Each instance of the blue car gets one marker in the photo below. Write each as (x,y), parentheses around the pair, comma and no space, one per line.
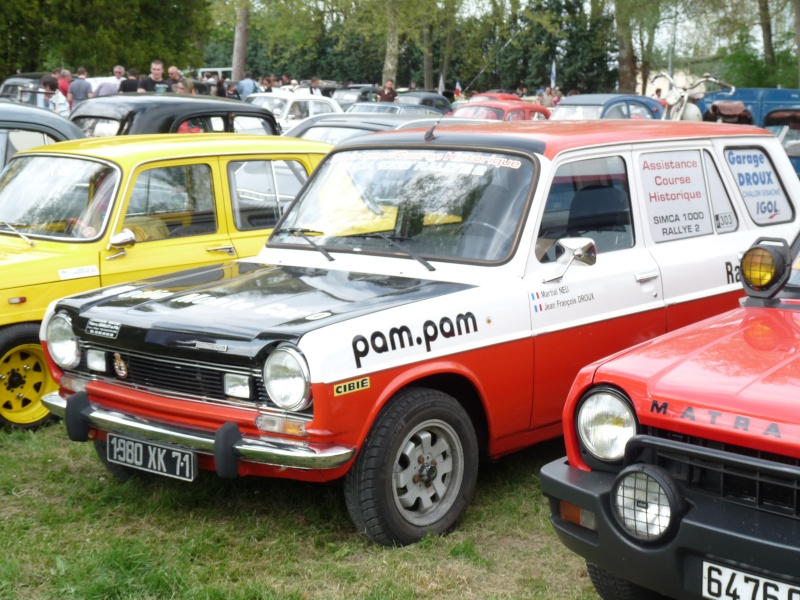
(606,106)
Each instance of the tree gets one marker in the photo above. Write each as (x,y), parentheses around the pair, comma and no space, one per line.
(239,60)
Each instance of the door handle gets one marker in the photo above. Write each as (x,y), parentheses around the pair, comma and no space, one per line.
(229,250)
(643,276)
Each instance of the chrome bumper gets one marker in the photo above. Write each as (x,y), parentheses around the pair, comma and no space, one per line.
(225,445)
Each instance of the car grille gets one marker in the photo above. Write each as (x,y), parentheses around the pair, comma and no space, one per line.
(174,377)
(760,480)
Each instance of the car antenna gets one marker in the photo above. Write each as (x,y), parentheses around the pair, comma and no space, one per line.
(429,134)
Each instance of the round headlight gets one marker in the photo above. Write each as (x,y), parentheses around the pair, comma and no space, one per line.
(672,96)
(286,379)
(646,502)
(62,343)
(605,423)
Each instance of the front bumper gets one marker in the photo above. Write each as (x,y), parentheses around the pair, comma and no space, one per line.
(711,529)
(226,444)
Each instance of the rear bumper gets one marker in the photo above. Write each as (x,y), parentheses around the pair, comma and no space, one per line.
(227,444)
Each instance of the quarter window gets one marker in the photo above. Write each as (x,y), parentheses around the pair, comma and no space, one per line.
(590,199)
(262,189)
(725,219)
(761,189)
(171,202)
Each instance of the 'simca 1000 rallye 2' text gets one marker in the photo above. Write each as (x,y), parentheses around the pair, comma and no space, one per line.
(427,299)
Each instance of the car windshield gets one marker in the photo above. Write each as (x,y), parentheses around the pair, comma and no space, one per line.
(275,104)
(56,197)
(442,204)
(98,126)
(479,112)
(575,112)
(331,135)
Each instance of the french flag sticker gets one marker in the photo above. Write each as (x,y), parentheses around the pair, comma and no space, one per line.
(537,307)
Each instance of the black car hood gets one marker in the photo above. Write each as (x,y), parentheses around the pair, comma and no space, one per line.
(245,300)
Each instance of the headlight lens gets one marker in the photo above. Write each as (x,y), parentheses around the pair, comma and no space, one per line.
(646,502)
(605,423)
(62,343)
(286,379)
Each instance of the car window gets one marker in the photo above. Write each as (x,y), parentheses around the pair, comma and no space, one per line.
(320,108)
(515,115)
(639,111)
(298,110)
(97,126)
(14,140)
(331,135)
(762,190)
(262,189)
(618,111)
(725,219)
(588,198)
(252,124)
(677,199)
(564,112)
(168,202)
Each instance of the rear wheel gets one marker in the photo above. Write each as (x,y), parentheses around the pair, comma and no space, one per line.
(24,377)
(611,587)
(417,470)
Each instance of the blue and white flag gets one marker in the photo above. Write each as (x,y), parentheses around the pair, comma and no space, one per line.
(553,75)
(441,85)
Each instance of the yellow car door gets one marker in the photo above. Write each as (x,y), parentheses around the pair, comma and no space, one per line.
(259,190)
(172,218)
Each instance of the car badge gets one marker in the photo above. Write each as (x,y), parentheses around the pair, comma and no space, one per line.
(120,368)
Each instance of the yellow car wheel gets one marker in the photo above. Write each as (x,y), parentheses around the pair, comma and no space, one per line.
(24,378)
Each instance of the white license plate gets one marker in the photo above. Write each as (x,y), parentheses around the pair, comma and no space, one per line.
(153,458)
(730,584)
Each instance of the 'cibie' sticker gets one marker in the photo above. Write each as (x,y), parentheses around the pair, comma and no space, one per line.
(103,328)
(348,387)
(78,272)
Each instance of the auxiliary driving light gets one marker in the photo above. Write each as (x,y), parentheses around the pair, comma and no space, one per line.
(766,267)
(646,502)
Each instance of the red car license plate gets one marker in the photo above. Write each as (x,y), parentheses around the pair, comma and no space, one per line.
(153,458)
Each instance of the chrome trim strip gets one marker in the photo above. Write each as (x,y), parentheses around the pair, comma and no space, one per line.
(274,451)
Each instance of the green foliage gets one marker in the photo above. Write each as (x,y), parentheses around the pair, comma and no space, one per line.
(743,66)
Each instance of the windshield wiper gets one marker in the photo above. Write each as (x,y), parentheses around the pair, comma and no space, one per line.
(19,233)
(303,233)
(393,242)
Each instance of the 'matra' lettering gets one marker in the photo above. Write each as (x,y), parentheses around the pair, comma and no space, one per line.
(739,423)
(401,337)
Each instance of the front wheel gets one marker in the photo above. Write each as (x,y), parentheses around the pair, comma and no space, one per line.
(416,471)
(24,377)
(611,587)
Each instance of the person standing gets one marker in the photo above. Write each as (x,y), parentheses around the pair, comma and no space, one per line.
(111,87)
(131,84)
(246,86)
(155,81)
(53,98)
(388,93)
(313,87)
(64,81)
(80,90)
(174,79)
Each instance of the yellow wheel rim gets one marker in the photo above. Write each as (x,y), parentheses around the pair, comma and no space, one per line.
(24,379)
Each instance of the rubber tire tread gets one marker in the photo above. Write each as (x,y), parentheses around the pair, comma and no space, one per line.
(611,587)
(10,337)
(362,482)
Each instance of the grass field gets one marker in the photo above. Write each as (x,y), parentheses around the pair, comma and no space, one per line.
(69,530)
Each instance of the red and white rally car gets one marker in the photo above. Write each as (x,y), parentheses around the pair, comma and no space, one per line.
(428,298)
(682,476)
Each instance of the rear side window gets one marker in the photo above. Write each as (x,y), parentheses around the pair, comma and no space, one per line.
(762,191)
(588,198)
(262,189)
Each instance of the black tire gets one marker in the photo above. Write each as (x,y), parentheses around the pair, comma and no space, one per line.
(120,472)
(416,472)
(611,587)
(24,378)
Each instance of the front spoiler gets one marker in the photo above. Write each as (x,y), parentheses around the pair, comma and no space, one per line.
(226,445)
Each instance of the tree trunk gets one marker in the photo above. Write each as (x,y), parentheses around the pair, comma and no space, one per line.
(766,32)
(444,65)
(240,40)
(627,56)
(427,61)
(392,41)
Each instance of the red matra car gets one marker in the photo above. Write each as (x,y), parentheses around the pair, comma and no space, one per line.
(682,476)
(503,110)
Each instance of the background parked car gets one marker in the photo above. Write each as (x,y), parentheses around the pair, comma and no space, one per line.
(432,99)
(15,87)
(356,92)
(394,108)
(128,114)
(98,212)
(23,127)
(503,110)
(607,106)
(290,108)
(334,128)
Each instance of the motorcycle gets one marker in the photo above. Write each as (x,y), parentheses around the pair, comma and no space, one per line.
(680,107)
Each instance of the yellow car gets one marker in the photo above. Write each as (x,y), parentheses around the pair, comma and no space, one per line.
(83,214)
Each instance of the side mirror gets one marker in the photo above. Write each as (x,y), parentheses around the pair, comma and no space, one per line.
(123,239)
(582,250)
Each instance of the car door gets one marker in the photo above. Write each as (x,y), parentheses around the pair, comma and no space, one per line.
(696,230)
(258,191)
(175,211)
(581,312)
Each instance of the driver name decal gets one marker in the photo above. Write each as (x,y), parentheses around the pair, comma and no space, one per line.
(398,338)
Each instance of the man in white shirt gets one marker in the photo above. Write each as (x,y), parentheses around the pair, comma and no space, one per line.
(314,87)
(53,98)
